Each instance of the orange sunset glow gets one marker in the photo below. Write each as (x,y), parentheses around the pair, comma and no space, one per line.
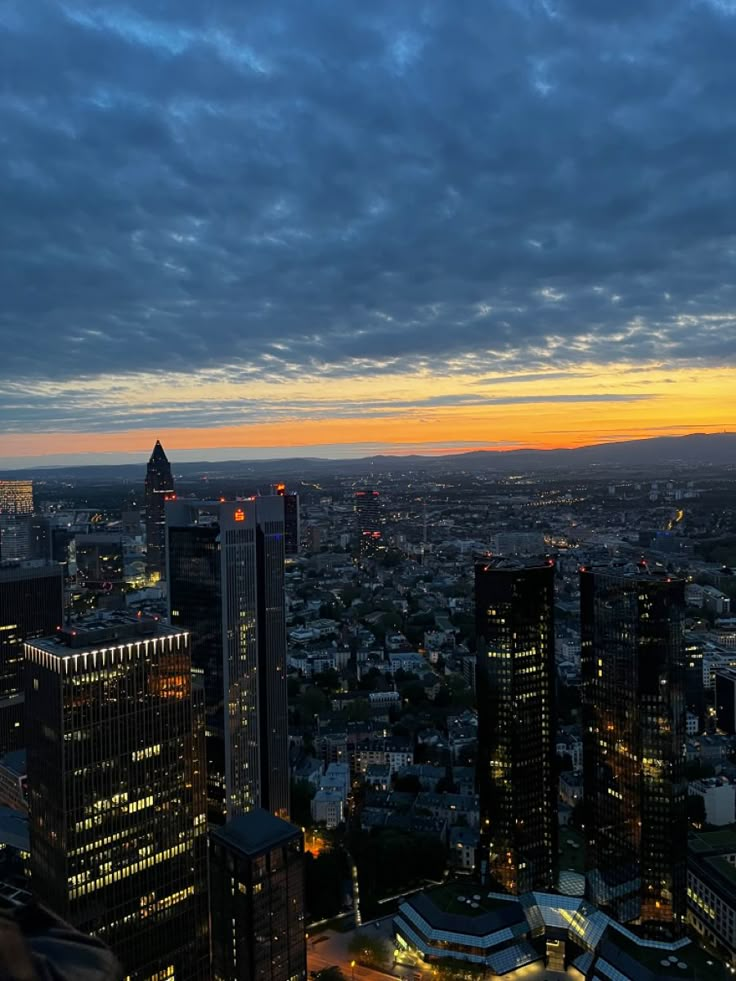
(404,413)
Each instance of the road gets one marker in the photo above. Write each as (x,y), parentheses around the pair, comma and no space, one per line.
(327,948)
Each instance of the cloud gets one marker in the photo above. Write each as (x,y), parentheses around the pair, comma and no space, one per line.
(333,190)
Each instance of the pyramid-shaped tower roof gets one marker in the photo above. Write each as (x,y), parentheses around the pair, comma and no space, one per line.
(158,455)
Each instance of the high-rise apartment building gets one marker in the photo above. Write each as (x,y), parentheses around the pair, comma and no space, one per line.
(226,584)
(158,488)
(31,605)
(257,900)
(367,507)
(116,791)
(515,685)
(16,516)
(292,527)
(633,692)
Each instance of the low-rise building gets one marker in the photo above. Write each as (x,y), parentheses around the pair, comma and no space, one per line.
(463,843)
(711,890)
(719,797)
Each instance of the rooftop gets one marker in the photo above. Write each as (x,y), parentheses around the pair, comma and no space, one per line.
(689,962)
(107,629)
(465,907)
(490,562)
(255,832)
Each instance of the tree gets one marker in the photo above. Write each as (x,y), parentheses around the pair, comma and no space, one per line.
(696,810)
(368,950)
(302,793)
(409,784)
(323,878)
(413,693)
(328,974)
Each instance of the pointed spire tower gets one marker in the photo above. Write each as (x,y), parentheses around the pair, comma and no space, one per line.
(159,487)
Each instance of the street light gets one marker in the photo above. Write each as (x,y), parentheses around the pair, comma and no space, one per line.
(352,970)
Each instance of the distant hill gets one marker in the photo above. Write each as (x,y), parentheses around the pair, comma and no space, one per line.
(696,449)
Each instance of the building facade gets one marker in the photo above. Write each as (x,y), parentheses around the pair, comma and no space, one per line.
(100,562)
(292,525)
(515,683)
(226,584)
(634,719)
(16,517)
(116,791)
(367,507)
(31,605)
(257,900)
(158,488)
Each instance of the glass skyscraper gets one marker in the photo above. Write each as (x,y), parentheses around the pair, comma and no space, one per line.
(226,584)
(633,674)
(158,488)
(367,507)
(31,605)
(116,791)
(515,685)
(16,516)
(256,866)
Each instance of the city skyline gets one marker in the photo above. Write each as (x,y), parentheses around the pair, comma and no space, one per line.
(501,226)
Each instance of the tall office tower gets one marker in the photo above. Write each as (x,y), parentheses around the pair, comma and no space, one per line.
(16,515)
(100,562)
(515,687)
(226,584)
(257,900)
(292,529)
(31,605)
(694,682)
(725,688)
(116,791)
(159,488)
(367,507)
(633,692)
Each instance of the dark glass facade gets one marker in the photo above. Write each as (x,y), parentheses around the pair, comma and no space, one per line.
(515,684)
(226,584)
(725,691)
(118,827)
(257,900)
(158,488)
(367,506)
(100,563)
(694,687)
(292,530)
(31,605)
(633,693)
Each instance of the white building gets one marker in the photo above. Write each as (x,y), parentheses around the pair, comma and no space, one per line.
(328,808)
(719,797)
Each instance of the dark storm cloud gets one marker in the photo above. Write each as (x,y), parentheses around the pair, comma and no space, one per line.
(329,187)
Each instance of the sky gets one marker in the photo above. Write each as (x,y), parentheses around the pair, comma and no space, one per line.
(339,228)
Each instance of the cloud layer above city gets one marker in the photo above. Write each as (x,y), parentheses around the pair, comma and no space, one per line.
(303,224)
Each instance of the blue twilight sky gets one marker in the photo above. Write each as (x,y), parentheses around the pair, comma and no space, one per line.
(222,215)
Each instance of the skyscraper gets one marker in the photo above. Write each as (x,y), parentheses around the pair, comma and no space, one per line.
(257,900)
(159,487)
(118,831)
(515,684)
(633,674)
(16,515)
(31,605)
(226,584)
(292,529)
(100,562)
(367,507)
